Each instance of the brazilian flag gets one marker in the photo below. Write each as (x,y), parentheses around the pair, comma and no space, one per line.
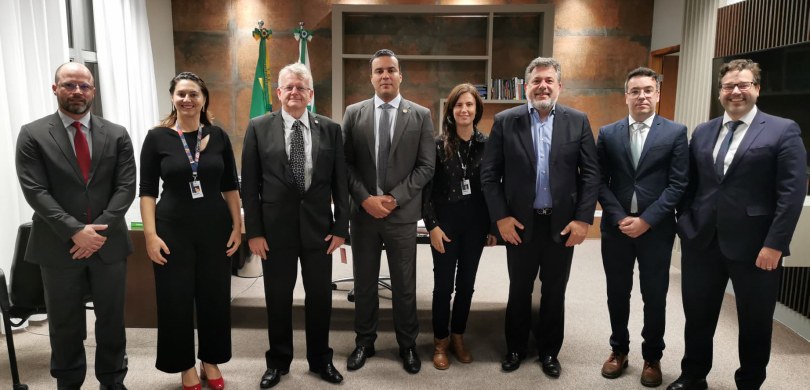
(262,99)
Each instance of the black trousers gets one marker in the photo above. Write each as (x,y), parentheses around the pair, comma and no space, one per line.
(466,224)
(65,289)
(280,274)
(653,250)
(197,275)
(705,274)
(368,237)
(553,260)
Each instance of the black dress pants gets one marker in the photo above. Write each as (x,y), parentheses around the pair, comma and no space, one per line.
(466,224)
(197,275)
(553,260)
(653,250)
(705,274)
(280,273)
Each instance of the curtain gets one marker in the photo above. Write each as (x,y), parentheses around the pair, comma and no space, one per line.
(34,42)
(126,71)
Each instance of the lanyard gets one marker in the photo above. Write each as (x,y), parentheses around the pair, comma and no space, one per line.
(462,160)
(193,161)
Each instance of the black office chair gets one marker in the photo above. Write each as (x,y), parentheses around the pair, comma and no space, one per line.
(27,297)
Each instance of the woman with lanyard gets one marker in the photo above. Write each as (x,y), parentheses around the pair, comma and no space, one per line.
(454,212)
(191,233)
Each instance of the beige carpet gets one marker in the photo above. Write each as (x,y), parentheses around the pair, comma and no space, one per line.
(585,348)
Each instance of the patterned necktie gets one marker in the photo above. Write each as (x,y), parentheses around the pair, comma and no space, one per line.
(720,161)
(82,150)
(297,156)
(384,137)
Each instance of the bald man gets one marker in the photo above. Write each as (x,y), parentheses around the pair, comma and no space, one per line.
(77,171)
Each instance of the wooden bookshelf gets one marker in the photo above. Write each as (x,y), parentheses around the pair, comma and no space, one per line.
(439,46)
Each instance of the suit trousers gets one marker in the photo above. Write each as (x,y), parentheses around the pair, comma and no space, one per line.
(280,274)
(466,224)
(553,260)
(65,290)
(653,250)
(196,276)
(368,237)
(705,274)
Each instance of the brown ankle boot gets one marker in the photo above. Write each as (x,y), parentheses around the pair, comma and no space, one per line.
(440,360)
(457,345)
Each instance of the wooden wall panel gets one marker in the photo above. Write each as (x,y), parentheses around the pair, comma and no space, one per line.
(761,24)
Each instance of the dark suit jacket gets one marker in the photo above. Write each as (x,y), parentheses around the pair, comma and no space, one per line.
(273,206)
(53,185)
(410,163)
(659,181)
(508,170)
(759,199)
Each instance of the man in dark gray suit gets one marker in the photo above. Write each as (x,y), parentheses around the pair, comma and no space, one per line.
(644,161)
(390,153)
(540,179)
(77,171)
(293,169)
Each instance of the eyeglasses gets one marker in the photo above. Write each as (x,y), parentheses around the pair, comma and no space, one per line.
(635,93)
(743,86)
(291,88)
(72,87)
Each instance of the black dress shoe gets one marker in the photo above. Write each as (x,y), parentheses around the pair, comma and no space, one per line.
(329,373)
(410,360)
(551,366)
(511,361)
(685,383)
(271,377)
(358,357)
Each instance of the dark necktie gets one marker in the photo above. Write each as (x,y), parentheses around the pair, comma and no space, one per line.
(384,137)
(297,156)
(82,151)
(719,162)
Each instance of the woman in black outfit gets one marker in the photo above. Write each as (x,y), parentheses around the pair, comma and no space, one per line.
(455,214)
(191,233)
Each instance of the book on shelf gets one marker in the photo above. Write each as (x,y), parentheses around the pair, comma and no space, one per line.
(508,89)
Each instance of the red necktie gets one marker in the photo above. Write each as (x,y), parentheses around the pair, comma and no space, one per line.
(82,150)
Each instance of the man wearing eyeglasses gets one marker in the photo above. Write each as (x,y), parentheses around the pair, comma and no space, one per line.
(745,193)
(644,161)
(293,168)
(77,171)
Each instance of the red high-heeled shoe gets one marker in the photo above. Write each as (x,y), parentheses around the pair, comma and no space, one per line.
(214,384)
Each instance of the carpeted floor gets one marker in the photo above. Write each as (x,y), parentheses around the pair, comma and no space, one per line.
(585,348)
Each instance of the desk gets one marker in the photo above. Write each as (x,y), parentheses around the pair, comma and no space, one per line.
(140,310)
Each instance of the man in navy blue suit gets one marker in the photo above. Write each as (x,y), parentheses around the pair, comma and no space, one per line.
(746,189)
(644,162)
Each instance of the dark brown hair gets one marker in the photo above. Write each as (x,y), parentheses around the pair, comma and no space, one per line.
(740,65)
(205,115)
(449,134)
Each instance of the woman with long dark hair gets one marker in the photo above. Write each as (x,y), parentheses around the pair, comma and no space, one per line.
(455,214)
(191,233)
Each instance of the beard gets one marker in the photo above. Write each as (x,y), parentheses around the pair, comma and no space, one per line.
(543,105)
(75,106)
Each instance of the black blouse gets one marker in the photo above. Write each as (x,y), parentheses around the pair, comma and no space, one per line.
(445,187)
(163,157)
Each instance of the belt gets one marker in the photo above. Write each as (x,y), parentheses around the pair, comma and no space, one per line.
(543,211)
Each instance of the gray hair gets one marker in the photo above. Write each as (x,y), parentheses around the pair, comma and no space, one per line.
(297,69)
(543,62)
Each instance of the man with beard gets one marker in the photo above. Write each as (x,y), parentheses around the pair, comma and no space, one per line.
(77,171)
(540,178)
(746,188)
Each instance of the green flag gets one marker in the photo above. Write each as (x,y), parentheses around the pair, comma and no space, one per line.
(304,36)
(262,100)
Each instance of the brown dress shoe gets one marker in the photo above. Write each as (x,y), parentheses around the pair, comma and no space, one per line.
(614,366)
(440,360)
(458,348)
(651,375)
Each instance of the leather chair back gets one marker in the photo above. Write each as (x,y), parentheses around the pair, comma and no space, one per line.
(26,278)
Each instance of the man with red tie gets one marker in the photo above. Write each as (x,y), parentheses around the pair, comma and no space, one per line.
(77,171)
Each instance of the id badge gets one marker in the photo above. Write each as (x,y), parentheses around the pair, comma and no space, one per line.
(465,187)
(196,189)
